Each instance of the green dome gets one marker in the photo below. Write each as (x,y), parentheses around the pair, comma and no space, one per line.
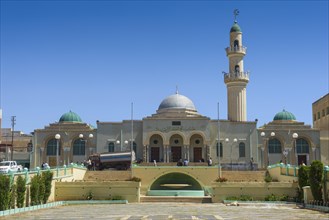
(235,28)
(284,116)
(70,117)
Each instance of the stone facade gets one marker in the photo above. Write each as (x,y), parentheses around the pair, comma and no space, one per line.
(320,109)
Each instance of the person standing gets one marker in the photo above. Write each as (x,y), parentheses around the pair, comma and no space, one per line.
(209,161)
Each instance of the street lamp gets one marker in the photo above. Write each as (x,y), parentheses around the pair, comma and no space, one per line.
(226,141)
(234,141)
(268,149)
(285,153)
(262,134)
(91,136)
(313,150)
(295,136)
(57,137)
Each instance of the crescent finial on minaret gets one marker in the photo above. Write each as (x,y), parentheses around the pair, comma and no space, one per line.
(236,13)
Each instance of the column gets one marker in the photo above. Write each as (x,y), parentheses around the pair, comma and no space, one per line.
(147,153)
(168,153)
(188,152)
(164,153)
(66,155)
(144,153)
(41,158)
(266,152)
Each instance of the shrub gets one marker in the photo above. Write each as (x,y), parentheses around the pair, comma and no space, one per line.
(41,193)
(316,178)
(47,178)
(12,196)
(4,192)
(20,191)
(303,180)
(89,195)
(221,179)
(240,198)
(245,198)
(273,197)
(268,177)
(34,190)
(232,198)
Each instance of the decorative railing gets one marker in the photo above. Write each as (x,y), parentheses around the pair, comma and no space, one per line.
(238,49)
(236,76)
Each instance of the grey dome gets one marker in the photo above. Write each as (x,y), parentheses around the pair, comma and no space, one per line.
(177,101)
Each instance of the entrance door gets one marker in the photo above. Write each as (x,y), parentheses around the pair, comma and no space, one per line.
(52,161)
(302,159)
(197,153)
(155,154)
(176,153)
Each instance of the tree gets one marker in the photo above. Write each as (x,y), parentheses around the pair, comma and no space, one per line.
(316,178)
(34,189)
(4,192)
(303,179)
(47,178)
(20,191)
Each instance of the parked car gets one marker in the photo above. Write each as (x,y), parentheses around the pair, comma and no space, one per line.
(9,166)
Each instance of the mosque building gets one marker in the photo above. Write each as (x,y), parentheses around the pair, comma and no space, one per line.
(178,131)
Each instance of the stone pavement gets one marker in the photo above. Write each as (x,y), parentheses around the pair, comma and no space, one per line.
(172,211)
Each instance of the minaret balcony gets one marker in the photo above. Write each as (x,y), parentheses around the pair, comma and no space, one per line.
(235,50)
(236,76)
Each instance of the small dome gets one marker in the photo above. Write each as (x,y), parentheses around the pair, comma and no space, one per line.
(235,28)
(284,116)
(70,117)
(177,101)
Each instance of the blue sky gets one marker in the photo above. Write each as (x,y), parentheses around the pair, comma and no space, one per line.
(96,57)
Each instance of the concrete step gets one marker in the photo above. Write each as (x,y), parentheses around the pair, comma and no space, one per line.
(188,199)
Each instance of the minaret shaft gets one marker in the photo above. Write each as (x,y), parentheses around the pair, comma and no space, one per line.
(236,79)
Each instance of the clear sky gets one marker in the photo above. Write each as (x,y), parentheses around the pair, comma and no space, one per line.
(96,57)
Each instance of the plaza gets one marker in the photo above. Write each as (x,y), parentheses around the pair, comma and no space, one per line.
(173,211)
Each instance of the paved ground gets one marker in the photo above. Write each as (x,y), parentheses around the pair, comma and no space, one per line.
(171,211)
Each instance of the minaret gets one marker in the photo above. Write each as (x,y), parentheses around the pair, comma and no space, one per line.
(236,79)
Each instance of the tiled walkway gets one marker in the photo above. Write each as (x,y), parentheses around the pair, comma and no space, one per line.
(171,211)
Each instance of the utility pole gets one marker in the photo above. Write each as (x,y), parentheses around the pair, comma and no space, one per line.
(13,120)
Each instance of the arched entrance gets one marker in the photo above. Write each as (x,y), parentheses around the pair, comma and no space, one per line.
(156,148)
(175,184)
(196,143)
(176,143)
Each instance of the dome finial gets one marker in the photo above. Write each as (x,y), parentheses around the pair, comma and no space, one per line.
(236,13)
(176,89)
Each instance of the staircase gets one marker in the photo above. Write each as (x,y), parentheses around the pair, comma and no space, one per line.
(244,176)
(187,199)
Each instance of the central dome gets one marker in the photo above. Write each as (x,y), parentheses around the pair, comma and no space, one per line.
(177,101)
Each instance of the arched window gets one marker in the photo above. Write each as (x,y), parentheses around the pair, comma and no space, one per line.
(111,147)
(236,45)
(52,146)
(237,68)
(242,150)
(302,146)
(220,150)
(79,147)
(274,146)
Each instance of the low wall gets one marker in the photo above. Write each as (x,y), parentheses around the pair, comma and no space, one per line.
(258,191)
(127,190)
(283,173)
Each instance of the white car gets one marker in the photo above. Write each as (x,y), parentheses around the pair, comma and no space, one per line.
(10,166)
